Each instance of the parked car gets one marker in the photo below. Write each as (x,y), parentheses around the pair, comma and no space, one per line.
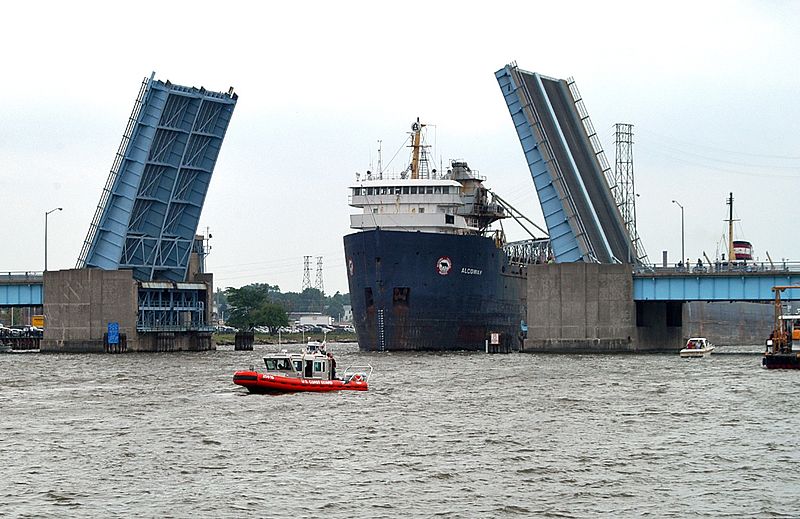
(221,328)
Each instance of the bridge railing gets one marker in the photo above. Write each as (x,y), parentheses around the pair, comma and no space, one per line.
(719,267)
(20,276)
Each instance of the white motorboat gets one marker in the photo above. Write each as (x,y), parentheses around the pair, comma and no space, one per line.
(697,347)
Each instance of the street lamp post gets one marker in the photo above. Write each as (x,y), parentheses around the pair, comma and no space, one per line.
(45,234)
(683,248)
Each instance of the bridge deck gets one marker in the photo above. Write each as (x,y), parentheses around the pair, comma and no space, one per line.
(20,289)
(745,284)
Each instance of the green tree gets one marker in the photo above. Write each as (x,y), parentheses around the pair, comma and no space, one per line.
(271,315)
(334,306)
(245,302)
(246,305)
(311,300)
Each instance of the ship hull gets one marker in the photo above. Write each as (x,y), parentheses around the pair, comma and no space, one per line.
(432,292)
(781,361)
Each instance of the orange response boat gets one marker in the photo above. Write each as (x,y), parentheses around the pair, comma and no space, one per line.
(312,370)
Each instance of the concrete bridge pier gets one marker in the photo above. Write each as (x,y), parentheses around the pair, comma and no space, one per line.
(79,304)
(589,308)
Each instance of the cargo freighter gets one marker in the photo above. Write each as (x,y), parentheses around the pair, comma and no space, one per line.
(425,269)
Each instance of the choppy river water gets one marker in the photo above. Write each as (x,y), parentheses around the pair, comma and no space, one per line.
(456,435)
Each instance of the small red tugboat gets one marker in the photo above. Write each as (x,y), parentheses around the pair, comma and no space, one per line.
(779,354)
(311,370)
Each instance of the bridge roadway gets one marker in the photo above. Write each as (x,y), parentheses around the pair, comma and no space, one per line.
(21,289)
(752,282)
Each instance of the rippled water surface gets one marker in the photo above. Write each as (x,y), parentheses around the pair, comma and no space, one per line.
(456,435)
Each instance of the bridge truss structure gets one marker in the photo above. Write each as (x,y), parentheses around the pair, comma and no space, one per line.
(150,206)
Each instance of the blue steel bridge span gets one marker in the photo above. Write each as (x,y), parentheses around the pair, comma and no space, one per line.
(20,289)
(710,283)
(569,169)
(149,209)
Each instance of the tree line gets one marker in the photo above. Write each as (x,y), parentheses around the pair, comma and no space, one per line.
(262,304)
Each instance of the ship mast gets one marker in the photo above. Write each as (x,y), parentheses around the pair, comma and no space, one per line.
(416,130)
(730,228)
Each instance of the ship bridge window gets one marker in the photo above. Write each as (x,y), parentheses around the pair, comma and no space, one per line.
(437,190)
(421,209)
(298,365)
(430,190)
(405,190)
(449,218)
(413,190)
(370,191)
(383,190)
(319,366)
(391,190)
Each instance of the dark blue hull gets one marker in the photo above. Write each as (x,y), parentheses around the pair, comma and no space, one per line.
(432,292)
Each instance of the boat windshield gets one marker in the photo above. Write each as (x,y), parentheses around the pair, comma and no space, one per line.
(278,364)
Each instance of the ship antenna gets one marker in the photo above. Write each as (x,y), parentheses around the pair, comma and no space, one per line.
(380,164)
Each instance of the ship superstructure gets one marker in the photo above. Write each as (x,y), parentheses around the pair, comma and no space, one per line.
(455,202)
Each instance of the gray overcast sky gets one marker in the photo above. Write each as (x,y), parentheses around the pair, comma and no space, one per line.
(711,87)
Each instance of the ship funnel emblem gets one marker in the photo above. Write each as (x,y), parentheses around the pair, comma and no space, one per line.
(443,265)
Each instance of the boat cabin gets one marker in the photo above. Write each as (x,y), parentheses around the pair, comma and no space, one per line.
(696,343)
(315,363)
